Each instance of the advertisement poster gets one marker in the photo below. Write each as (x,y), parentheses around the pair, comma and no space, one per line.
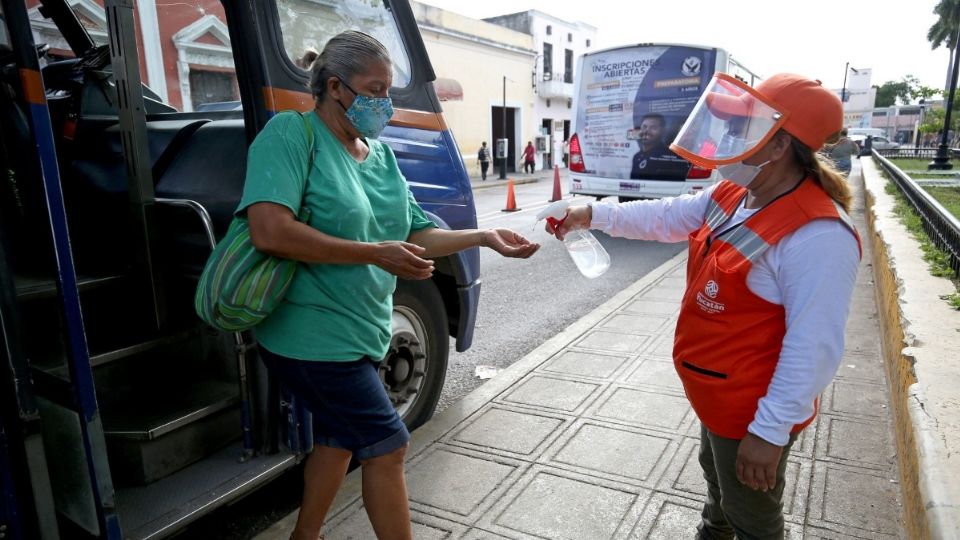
(631,104)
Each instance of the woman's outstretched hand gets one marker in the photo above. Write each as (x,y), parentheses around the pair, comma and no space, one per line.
(509,243)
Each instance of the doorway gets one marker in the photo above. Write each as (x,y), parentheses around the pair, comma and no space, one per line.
(547,129)
(496,117)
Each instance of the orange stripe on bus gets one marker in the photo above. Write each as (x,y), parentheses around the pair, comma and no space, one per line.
(32,86)
(278,99)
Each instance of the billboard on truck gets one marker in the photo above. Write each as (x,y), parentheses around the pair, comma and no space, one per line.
(630,103)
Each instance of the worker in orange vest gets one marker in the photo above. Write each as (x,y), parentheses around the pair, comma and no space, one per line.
(772,262)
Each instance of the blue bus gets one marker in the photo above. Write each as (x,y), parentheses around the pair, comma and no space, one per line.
(121,414)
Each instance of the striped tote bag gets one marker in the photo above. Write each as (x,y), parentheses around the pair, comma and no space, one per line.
(240,285)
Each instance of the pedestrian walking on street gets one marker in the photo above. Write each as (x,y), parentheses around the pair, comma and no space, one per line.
(326,339)
(483,157)
(772,263)
(841,152)
(529,158)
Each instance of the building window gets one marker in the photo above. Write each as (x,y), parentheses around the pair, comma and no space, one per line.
(569,38)
(588,43)
(567,66)
(212,87)
(549,30)
(547,61)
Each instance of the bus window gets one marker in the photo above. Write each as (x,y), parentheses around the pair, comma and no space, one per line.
(308,24)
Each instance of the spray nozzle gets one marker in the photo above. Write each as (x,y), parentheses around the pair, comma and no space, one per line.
(555,214)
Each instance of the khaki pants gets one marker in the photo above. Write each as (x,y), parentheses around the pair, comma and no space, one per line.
(733,510)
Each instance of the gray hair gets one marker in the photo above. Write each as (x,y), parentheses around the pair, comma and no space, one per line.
(345,55)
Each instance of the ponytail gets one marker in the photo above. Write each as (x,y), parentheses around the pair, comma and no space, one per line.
(824,173)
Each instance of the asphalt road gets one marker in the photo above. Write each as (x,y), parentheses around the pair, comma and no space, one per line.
(522,304)
(525,302)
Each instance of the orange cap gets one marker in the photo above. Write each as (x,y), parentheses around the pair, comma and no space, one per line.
(814,114)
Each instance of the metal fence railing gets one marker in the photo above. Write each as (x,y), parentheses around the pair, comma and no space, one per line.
(912,152)
(941,226)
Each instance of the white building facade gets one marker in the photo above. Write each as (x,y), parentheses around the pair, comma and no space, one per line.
(559,45)
(858,107)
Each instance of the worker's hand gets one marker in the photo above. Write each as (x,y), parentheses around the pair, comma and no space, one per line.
(578,217)
(509,243)
(402,259)
(757,462)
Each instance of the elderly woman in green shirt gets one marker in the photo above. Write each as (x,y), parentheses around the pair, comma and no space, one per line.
(364,230)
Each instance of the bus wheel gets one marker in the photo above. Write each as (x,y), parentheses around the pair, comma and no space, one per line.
(416,363)
(622,199)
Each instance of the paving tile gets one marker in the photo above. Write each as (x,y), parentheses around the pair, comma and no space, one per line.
(865,443)
(668,517)
(613,341)
(356,526)
(551,504)
(585,364)
(818,533)
(620,453)
(855,398)
(457,482)
(519,432)
(645,408)
(655,372)
(642,324)
(863,367)
(480,534)
(552,393)
(662,345)
(853,500)
(645,306)
(671,292)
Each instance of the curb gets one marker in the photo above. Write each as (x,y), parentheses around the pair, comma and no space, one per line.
(499,183)
(921,351)
(440,425)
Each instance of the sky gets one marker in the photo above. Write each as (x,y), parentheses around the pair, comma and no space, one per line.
(816,38)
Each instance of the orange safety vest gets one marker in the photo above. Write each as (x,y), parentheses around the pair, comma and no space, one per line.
(728,339)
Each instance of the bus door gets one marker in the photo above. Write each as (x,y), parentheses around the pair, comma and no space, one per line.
(69,466)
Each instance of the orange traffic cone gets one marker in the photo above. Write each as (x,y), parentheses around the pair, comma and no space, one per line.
(511,198)
(556,184)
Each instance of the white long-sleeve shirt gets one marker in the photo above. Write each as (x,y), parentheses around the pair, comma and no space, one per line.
(810,272)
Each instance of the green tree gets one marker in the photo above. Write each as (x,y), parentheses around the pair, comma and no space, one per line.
(905,90)
(944,31)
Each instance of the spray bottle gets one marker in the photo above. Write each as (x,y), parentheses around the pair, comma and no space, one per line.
(590,257)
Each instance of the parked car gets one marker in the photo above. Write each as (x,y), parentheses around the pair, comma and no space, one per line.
(879,142)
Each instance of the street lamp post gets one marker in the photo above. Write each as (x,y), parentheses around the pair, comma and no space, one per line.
(843,93)
(942,161)
(503,165)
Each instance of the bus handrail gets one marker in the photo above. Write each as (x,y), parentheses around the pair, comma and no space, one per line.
(198,209)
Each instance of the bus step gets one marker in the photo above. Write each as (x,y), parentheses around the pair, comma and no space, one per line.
(143,347)
(167,428)
(33,288)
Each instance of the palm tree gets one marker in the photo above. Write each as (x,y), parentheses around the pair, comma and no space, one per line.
(944,31)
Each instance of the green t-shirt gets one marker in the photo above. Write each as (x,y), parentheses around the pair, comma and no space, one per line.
(334,312)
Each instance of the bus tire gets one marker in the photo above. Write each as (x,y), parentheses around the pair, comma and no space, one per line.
(415,367)
(623,199)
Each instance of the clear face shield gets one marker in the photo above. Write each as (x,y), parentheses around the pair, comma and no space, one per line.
(729,123)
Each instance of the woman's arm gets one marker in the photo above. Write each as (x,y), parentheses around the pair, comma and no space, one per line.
(273,230)
(441,242)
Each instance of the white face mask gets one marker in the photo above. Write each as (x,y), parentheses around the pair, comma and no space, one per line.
(740,173)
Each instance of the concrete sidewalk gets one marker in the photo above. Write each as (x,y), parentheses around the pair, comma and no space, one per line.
(493,178)
(590,437)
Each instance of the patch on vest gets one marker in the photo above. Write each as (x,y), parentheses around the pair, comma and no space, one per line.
(706,302)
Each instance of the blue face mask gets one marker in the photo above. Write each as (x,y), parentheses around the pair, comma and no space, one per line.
(369,115)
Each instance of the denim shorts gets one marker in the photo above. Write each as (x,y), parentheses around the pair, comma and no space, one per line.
(350,407)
